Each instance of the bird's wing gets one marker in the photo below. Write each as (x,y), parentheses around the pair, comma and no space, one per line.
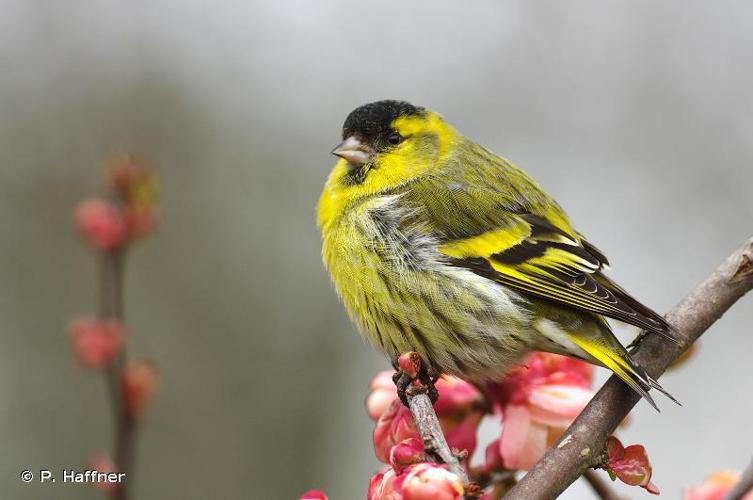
(537,258)
(521,238)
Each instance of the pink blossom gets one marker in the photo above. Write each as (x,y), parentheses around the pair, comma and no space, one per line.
(314,495)
(407,452)
(423,481)
(100,223)
(386,485)
(428,481)
(395,425)
(538,402)
(382,393)
(458,408)
(456,397)
(139,385)
(716,487)
(96,342)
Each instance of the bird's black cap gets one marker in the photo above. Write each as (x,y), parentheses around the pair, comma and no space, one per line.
(373,120)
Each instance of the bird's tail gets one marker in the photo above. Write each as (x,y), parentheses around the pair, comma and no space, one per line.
(607,351)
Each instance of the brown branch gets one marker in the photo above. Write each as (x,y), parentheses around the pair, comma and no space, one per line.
(111,306)
(431,432)
(743,486)
(600,486)
(581,445)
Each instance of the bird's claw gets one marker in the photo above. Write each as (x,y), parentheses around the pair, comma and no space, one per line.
(412,377)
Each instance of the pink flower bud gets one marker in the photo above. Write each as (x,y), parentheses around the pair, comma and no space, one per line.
(382,394)
(716,487)
(410,363)
(96,343)
(139,384)
(456,396)
(629,464)
(407,452)
(375,483)
(431,482)
(100,223)
(395,425)
(385,485)
(314,495)
(101,462)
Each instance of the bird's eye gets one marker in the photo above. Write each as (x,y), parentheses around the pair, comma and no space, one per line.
(395,139)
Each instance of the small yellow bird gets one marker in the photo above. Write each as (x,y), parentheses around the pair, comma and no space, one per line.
(439,246)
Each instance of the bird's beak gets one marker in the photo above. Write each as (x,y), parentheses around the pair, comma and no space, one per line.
(354,151)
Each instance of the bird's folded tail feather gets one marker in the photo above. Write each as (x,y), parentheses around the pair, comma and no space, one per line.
(613,356)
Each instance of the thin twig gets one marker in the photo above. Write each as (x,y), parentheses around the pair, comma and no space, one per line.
(111,306)
(600,486)
(580,446)
(431,433)
(110,300)
(743,486)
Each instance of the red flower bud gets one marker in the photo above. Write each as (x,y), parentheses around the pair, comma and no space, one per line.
(629,464)
(395,425)
(382,394)
(100,223)
(410,363)
(385,485)
(139,384)
(314,495)
(407,452)
(96,343)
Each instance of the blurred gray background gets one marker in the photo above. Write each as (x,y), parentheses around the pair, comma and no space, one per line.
(637,116)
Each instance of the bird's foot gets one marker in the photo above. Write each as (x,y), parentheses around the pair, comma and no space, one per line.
(412,377)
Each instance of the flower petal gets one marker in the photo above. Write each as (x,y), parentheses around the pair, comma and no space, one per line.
(523,440)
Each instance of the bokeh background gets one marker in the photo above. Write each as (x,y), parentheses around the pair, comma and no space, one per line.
(637,116)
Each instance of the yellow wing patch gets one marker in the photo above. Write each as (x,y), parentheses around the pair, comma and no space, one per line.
(487,244)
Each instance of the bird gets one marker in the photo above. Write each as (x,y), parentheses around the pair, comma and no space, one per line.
(438,246)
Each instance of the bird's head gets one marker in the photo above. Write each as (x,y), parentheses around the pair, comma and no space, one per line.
(388,143)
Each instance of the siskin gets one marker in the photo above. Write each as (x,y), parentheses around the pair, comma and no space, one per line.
(439,246)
